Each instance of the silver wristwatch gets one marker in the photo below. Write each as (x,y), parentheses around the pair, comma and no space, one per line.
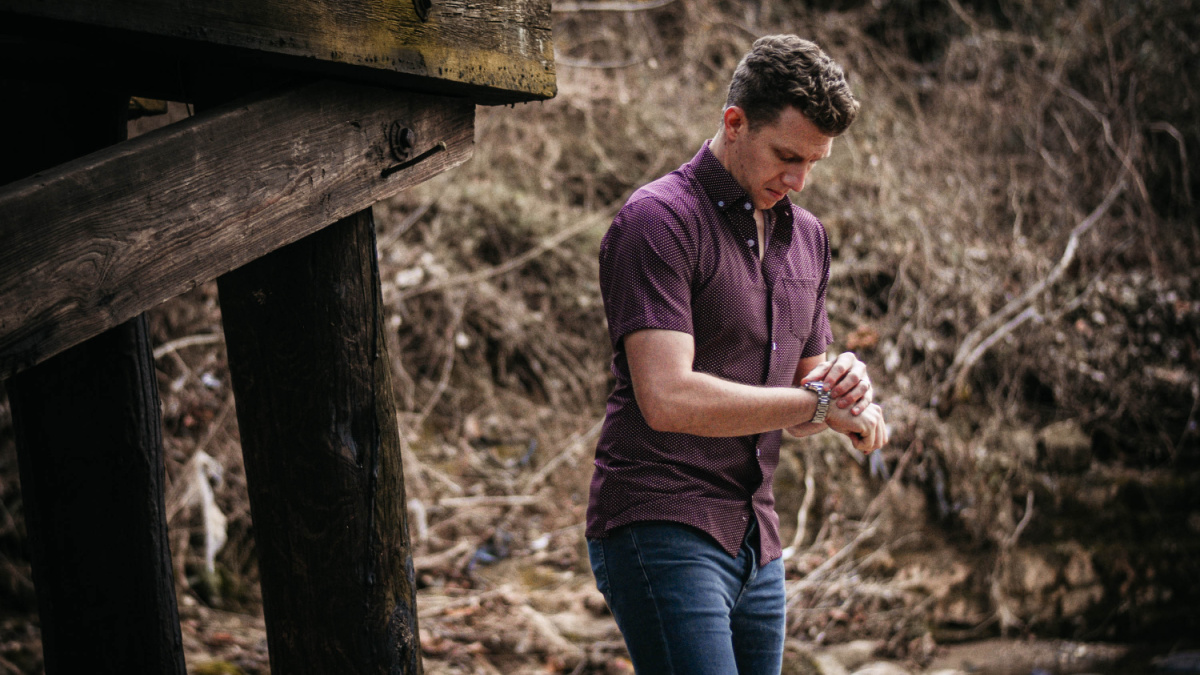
(822,400)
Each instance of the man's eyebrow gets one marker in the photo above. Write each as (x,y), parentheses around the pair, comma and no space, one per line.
(789,156)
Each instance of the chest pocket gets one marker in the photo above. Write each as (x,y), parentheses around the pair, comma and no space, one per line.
(796,301)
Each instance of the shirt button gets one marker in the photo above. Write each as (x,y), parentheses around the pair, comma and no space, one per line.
(750,243)
(758,452)
(721,204)
(774,346)
(747,206)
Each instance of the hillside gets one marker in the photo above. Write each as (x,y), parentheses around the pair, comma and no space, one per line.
(1014,239)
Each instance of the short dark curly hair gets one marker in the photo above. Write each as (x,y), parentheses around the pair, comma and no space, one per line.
(783,70)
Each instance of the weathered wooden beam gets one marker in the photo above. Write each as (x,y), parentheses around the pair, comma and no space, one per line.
(89,443)
(308,358)
(495,51)
(94,242)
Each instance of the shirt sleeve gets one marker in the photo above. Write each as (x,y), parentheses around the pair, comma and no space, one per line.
(647,261)
(821,335)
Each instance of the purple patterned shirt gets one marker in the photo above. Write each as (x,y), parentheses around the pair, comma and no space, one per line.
(682,255)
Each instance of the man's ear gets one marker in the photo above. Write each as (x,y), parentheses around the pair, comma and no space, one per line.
(735,122)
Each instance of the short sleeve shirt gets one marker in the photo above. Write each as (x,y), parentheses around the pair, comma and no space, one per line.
(682,255)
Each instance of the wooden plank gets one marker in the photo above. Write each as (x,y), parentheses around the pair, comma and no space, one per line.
(308,358)
(499,51)
(89,445)
(94,242)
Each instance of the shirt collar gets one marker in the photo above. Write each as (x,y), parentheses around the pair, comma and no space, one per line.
(723,189)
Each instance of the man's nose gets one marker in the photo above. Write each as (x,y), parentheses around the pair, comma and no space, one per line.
(794,180)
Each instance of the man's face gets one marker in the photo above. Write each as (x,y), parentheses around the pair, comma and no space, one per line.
(768,160)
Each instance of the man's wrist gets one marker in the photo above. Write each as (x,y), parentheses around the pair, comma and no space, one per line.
(823,400)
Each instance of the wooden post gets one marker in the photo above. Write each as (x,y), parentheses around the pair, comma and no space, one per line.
(89,441)
(304,329)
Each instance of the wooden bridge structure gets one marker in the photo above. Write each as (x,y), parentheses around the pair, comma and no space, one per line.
(307,112)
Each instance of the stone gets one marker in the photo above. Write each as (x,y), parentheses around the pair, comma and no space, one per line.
(855,653)
(881,668)
(1079,570)
(800,660)
(1032,573)
(1064,447)
(1077,601)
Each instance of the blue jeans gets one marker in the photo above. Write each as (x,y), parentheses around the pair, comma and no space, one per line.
(685,606)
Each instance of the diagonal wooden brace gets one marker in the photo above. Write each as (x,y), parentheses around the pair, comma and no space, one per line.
(94,242)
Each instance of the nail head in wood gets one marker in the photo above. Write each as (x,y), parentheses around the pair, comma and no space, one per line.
(401,139)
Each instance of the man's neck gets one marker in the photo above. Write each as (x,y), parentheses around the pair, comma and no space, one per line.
(760,222)
(717,147)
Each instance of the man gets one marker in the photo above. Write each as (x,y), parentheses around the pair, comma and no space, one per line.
(714,285)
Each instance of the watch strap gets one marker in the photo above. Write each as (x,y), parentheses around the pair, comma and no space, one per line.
(823,399)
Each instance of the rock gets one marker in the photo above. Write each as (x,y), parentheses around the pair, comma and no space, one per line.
(618,665)
(1079,569)
(1179,662)
(584,627)
(1025,656)
(881,668)
(1064,447)
(854,654)
(1077,601)
(799,659)
(828,665)
(1032,573)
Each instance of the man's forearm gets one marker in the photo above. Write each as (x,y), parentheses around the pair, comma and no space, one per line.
(705,405)
(807,429)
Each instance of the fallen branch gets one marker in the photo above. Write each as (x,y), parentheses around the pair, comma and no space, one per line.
(443,558)
(576,443)
(490,500)
(409,220)
(814,578)
(419,517)
(544,627)
(1012,538)
(612,64)
(189,341)
(1001,332)
(447,366)
(508,265)
(608,6)
(810,493)
(974,345)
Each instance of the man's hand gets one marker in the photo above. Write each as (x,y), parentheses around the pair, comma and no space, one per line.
(867,430)
(846,379)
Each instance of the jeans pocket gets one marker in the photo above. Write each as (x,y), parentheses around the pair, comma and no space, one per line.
(599,569)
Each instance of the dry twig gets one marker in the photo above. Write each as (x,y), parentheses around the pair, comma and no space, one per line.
(513,263)
(974,345)
(608,6)
(574,445)
(188,341)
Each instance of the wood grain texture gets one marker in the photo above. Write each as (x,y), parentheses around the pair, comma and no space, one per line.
(500,50)
(308,358)
(94,242)
(89,443)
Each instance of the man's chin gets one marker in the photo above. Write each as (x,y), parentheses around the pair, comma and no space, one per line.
(769,199)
